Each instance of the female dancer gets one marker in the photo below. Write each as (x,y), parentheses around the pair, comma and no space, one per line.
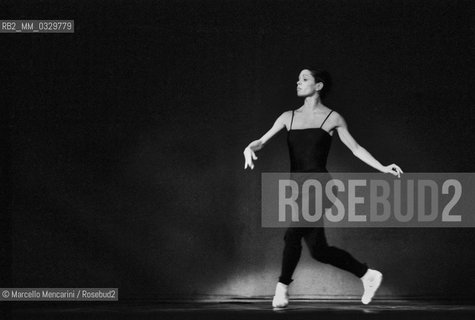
(310,129)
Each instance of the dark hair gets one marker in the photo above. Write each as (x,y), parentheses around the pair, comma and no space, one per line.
(324,77)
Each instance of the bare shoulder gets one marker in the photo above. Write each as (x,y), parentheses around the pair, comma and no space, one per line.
(335,115)
(337,119)
(285,118)
(287,114)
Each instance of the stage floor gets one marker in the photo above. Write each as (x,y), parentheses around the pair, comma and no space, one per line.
(261,309)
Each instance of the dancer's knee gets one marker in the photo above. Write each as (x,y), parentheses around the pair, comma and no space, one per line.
(293,237)
(293,243)
(321,253)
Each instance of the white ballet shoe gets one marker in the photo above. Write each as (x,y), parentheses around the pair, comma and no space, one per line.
(371,282)
(281,297)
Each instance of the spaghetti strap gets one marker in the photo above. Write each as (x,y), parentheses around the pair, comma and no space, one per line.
(326,118)
(290,128)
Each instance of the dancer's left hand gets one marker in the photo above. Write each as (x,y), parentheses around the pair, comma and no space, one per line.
(393,169)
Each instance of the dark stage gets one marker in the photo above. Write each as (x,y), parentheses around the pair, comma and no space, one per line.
(122,153)
(252,309)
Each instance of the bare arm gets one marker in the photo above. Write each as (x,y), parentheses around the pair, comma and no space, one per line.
(256,145)
(361,152)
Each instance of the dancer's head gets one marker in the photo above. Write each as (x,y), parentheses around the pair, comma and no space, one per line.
(313,81)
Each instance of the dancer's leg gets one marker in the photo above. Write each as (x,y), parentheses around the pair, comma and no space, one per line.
(320,251)
(292,251)
(291,257)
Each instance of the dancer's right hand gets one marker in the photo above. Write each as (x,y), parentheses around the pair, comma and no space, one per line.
(249,155)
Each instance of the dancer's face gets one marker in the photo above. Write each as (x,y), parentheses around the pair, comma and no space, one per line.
(306,85)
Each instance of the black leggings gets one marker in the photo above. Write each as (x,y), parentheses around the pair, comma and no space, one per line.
(319,249)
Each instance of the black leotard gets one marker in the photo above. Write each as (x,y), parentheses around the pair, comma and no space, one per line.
(308,148)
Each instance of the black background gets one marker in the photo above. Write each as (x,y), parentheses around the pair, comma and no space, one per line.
(123,141)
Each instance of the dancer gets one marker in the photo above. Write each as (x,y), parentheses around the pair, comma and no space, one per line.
(309,133)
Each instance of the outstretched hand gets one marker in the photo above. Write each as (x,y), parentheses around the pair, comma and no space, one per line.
(249,155)
(393,169)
